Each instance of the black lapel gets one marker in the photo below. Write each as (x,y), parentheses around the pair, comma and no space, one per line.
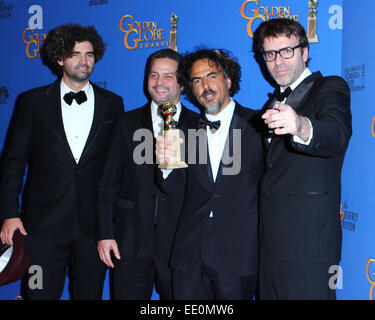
(205,167)
(297,97)
(208,165)
(146,118)
(52,104)
(146,123)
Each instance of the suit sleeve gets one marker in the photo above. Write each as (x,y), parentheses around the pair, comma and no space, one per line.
(332,120)
(110,184)
(14,158)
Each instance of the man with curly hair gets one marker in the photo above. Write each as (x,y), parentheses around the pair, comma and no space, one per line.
(215,248)
(59,133)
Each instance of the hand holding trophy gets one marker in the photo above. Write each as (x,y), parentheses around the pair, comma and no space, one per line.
(172,137)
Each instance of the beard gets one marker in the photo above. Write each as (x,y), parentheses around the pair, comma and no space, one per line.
(212,107)
(285,81)
(79,76)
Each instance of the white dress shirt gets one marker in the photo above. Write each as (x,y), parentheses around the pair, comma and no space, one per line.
(77,119)
(216,141)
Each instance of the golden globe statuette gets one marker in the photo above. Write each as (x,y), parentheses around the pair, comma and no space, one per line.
(173,32)
(312,22)
(172,135)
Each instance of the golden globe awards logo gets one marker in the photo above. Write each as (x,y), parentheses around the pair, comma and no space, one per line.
(33,42)
(252,11)
(142,33)
(370,276)
(30,35)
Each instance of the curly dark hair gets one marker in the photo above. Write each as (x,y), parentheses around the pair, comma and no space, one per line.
(60,42)
(219,57)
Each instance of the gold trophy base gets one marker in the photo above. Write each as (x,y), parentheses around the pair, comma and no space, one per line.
(312,37)
(173,136)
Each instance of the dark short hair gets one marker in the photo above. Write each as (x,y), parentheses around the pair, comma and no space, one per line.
(281,26)
(163,53)
(60,42)
(221,58)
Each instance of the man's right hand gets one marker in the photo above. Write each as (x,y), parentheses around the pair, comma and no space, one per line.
(164,150)
(8,228)
(104,248)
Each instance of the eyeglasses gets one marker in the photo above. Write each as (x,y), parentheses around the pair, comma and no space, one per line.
(286,53)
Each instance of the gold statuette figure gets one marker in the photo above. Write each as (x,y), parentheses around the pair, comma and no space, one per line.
(312,22)
(173,32)
(172,135)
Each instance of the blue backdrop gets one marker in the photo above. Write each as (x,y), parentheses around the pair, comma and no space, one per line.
(134,29)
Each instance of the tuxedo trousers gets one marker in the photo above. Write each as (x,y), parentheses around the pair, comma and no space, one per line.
(134,278)
(76,256)
(207,279)
(283,280)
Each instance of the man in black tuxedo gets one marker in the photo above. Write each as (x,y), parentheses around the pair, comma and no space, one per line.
(308,132)
(59,132)
(135,220)
(215,252)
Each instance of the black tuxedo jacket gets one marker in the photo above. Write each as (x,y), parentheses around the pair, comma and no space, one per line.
(233,199)
(57,191)
(300,193)
(130,204)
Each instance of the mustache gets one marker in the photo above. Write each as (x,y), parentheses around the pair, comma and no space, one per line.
(83,65)
(207,92)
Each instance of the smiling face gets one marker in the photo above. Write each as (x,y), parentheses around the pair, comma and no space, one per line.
(210,86)
(78,68)
(162,81)
(285,71)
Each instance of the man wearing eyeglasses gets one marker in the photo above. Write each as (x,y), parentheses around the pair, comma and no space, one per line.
(307,131)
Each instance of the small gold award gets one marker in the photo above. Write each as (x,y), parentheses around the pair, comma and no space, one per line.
(312,22)
(173,32)
(172,135)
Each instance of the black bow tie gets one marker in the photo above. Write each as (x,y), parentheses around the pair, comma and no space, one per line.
(79,96)
(280,96)
(203,123)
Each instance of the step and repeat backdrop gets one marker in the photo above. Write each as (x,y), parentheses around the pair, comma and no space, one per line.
(134,29)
